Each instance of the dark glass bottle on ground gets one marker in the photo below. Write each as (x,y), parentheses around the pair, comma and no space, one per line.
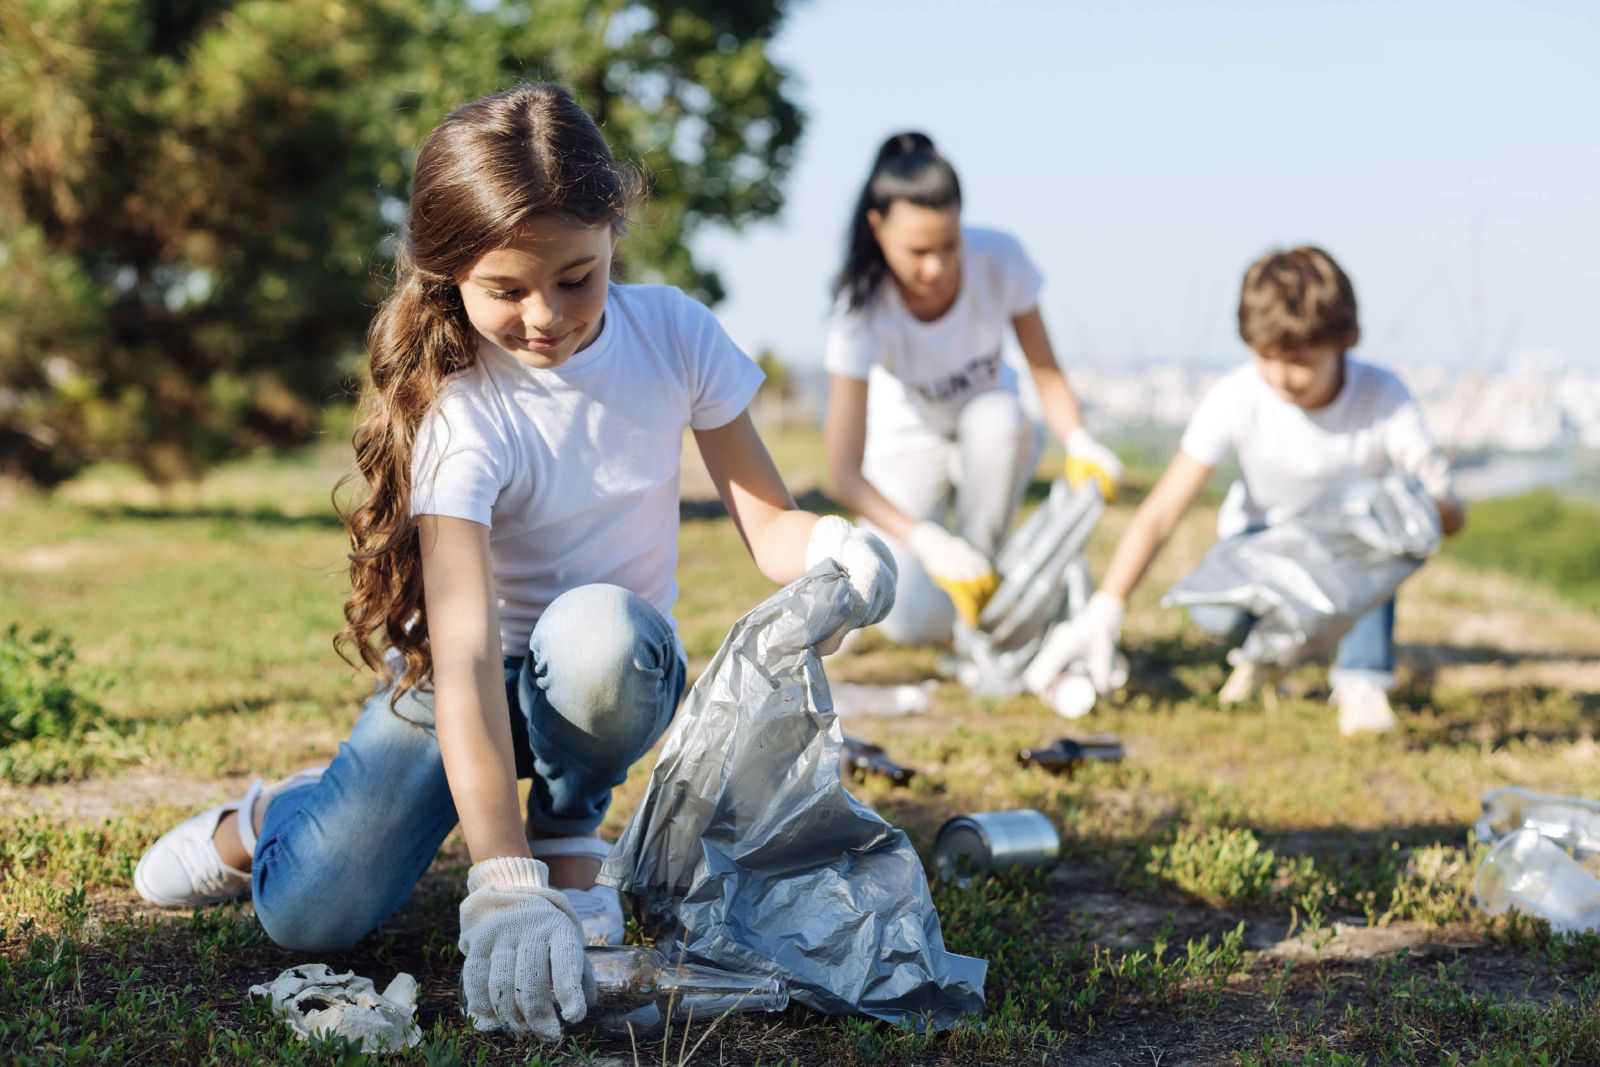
(1065,755)
(859,759)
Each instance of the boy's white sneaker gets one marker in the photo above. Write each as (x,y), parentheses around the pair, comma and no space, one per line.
(183,870)
(1249,681)
(1363,707)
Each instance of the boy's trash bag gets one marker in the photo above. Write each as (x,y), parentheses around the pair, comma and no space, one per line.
(1308,580)
(1043,580)
(1571,822)
(1529,872)
(314,1000)
(747,853)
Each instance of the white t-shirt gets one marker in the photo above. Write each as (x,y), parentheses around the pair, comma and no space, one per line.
(1290,457)
(575,469)
(921,374)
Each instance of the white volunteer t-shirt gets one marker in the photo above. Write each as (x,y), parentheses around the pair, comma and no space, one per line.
(921,374)
(1290,457)
(575,469)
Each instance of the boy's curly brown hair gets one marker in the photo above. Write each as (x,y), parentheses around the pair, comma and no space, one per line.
(1296,299)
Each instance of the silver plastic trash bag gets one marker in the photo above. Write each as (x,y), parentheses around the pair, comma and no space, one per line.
(1044,579)
(747,853)
(1308,580)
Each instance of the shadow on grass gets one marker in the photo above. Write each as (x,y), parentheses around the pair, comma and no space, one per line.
(707,509)
(1494,719)
(1427,655)
(263,515)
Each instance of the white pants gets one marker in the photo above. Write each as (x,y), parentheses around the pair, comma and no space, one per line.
(982,474)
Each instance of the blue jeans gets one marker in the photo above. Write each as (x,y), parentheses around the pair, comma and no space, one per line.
(334,859)
(1367,649)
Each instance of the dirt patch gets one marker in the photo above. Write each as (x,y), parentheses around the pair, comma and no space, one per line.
(97,799)
(52,559)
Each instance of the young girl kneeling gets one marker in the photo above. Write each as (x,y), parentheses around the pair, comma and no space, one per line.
(515,559)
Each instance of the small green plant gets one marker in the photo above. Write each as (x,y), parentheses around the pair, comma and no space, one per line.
(39,698)
(1217,865)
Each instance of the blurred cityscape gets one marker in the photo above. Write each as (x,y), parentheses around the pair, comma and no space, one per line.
(1532,421)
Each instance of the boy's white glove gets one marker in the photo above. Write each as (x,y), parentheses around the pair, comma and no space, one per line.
(524,950)
(1090,637)
(963,572)
(866,562)
(1088,458)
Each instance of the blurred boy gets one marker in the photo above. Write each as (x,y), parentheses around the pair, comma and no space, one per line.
(1303,419)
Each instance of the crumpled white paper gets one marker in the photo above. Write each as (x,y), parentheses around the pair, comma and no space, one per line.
(312,999)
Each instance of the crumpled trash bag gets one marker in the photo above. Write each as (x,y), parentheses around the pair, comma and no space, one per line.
(314,1000)
(1044,579)
(747,852)
(1308,580)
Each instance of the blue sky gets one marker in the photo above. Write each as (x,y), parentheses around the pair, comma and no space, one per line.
(1448,154)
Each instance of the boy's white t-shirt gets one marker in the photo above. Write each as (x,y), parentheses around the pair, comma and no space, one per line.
(921,374)
(1290,457)
(575,469)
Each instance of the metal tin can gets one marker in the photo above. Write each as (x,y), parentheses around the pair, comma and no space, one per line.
(991,840)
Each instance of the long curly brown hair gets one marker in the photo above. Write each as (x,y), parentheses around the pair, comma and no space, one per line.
(483,173)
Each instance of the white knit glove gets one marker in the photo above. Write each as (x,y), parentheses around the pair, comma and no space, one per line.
(1089,459)
(866,562)
(1089,637)
(963,572)
(524,950)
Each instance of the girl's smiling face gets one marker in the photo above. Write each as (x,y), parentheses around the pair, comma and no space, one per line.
(543,297)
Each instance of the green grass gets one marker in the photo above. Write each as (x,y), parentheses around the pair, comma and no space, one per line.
(1542,536)
(1245,888)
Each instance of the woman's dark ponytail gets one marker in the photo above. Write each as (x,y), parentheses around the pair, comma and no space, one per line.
(907,168)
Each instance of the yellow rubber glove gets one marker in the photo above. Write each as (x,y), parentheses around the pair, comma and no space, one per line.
(1088,458)
(955,566)
(969,597)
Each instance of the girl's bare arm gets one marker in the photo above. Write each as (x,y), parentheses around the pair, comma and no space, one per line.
(471,718)
(774,530)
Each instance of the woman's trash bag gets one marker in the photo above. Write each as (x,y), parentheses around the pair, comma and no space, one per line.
(1044,579)
(748,854)
(1306,581)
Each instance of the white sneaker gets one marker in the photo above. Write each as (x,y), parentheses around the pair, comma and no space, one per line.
(599,908)
(1363,707)
(183,870)
(1249,681)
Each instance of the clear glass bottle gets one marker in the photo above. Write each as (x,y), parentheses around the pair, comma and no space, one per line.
(1572,822)
(1531,873)
(640,987)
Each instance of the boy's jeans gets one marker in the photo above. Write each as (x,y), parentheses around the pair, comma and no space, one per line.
(337,857)
(1367,651)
